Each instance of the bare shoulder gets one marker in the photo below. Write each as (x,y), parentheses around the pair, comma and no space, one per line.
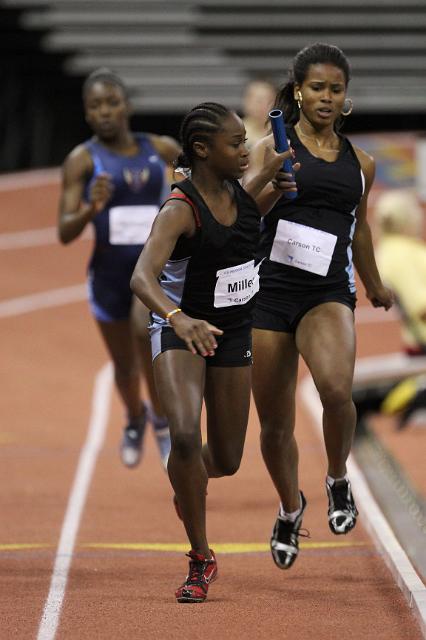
(366,161)
(261,144)
(166,146)
(178,212)
(79,156)
(78,162)
(257,157)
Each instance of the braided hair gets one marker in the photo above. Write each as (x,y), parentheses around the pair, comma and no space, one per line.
(106,76)
(318,53)
(199,125)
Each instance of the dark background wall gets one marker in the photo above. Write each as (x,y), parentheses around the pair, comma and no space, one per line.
(41,116)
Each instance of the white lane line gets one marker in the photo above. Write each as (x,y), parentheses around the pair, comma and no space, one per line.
(76,502)
(373,519)
(29,179)
(368,315)
(36,301)
(30,238)
(388,365)
(35,238)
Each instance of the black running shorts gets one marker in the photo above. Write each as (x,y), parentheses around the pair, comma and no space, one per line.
(234,346)
(287,315)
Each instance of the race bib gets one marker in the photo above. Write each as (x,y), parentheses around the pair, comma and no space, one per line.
(236,285)
(132,224)
(297,245)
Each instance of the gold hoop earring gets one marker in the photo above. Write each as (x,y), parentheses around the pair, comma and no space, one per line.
(299,99)
(348,102)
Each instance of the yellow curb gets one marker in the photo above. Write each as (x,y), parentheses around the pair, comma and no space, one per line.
(224,547)
(23,546)
(221,547)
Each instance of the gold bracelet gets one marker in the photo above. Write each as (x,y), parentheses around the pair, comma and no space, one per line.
(172,313)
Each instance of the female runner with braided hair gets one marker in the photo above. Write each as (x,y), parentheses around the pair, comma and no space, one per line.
(307,288)
(198,275)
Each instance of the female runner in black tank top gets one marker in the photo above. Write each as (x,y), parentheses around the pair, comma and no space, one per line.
(197,274)
(307,289)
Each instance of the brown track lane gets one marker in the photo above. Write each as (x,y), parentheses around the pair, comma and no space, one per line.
(49,362)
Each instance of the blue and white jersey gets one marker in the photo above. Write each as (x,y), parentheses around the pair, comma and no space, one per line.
(139,186)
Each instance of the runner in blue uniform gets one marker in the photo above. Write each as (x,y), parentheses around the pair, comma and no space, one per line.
(198,274)
(305,306)
(116,181)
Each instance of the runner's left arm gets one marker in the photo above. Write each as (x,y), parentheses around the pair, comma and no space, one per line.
(362,244)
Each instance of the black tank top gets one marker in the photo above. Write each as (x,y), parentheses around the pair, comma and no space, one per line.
(212,276)
(306,242)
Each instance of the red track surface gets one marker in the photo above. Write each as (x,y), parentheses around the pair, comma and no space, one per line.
(50,358)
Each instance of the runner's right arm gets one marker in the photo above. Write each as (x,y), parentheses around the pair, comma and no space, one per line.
(74,214)
(174,220)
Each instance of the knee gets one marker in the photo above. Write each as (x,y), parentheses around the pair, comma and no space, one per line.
(274,435)
(227,466)
(186,445)
(335,394)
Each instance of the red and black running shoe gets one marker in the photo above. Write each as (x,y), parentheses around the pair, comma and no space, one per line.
(202,571)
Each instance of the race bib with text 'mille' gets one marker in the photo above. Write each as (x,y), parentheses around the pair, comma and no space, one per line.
(131,224)
(297,245)
(236,285)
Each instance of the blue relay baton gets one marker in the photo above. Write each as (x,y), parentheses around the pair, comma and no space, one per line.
(281,144)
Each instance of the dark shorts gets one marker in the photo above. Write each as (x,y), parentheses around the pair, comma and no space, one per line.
(234,347)
(110,298)
(287,315)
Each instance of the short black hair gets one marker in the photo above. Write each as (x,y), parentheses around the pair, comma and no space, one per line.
(105,75)
(200,125)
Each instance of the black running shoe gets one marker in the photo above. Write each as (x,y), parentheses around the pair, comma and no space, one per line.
(342,511)
(132,440)
(285,539)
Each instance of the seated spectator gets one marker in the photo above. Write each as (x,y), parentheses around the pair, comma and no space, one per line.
(401,258)
(258,98)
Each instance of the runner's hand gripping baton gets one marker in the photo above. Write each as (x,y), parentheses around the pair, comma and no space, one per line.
(281,144)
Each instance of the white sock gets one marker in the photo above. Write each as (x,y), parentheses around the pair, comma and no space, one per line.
(291,517)
(330,481)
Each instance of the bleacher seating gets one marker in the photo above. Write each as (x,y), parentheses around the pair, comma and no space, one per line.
(175,53)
